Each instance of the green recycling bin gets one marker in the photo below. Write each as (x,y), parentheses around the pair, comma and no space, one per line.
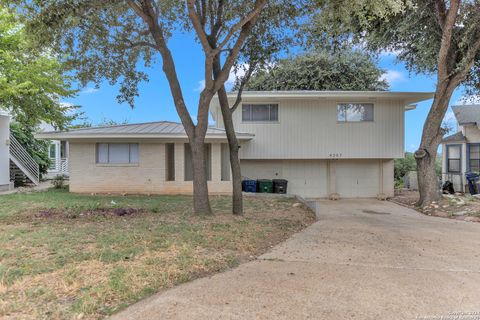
(265,186)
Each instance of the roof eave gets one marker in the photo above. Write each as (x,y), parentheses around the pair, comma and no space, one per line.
(63,136)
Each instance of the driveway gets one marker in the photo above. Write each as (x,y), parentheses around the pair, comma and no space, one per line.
(363,259)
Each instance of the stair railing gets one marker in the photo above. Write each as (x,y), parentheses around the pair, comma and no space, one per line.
(29,165)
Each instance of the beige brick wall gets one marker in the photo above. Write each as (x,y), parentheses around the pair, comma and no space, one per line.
(146,177)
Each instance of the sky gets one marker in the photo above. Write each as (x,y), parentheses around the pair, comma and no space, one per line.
(155,102)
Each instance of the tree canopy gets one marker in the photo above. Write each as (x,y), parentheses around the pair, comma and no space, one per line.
(32,82)
(440,37)
(320,70)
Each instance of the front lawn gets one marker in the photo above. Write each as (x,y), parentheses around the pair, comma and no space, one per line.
(68,256)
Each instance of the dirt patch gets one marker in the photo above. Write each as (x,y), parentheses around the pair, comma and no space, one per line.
(104,212)
(457,206)
(374,212)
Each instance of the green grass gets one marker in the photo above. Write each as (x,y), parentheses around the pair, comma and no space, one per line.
(77,262)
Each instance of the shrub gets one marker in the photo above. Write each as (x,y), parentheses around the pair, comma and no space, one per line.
(59,181)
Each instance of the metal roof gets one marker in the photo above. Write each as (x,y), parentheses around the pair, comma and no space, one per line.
(467,114)
(160,129)
(457,137)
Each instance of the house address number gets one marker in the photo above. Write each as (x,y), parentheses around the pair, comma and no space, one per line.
(335,155)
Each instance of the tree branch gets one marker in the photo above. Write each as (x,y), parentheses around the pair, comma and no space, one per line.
(149,16)
(230,60)
(445,45)
(252,15)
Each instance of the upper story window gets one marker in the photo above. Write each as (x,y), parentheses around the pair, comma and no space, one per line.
(260,112)
(354,112)
(117,153)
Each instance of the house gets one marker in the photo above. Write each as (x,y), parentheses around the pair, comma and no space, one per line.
(5,184)
(461,151)
(325,143)
(57,153)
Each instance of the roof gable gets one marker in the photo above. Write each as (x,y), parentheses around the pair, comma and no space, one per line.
(467,114)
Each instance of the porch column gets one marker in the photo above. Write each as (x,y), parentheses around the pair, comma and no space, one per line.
(216,162)
(179,151)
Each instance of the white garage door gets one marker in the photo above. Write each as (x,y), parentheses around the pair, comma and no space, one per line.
(306,178)
(357,179)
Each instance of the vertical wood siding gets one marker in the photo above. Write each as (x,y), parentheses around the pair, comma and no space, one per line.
(308,129)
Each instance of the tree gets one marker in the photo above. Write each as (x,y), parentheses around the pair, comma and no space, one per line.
(107,39)
(267,39)
(32,82)
(321,70)
(431,36)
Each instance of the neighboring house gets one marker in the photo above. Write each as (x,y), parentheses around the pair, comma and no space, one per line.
(58,154)
(461,151)
(4,152)
(17,167)
(325,143)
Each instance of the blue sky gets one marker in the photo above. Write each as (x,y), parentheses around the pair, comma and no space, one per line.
(155,102)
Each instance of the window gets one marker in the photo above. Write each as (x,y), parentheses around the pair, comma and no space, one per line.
(52,151)
(474,157)
(170,161)
(117,153)
(260,112)
(189,163)
(454,158)
(354,112)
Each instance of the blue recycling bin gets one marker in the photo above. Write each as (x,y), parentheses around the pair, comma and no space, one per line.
(472,179)
(249,185)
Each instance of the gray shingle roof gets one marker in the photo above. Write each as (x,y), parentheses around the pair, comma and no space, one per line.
(148,129)
(457,137)
(467,114)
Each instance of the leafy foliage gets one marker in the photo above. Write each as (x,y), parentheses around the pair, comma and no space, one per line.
(38,149)
(32,81)
(321,70)
(404,165)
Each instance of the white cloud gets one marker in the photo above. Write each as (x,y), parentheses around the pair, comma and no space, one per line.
(413,147)
(200,86)
(89,90)
(232,77)
(392,76)
(473,99)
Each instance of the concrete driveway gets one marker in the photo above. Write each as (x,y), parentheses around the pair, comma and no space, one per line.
(363,259)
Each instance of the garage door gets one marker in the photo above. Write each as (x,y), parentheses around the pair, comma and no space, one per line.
(306,178)
(357,179)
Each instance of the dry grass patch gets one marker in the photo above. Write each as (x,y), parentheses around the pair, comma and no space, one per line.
(77,263)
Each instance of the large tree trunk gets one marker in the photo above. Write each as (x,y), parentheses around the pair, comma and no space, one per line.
(432,135)
(201,203)
(237,198)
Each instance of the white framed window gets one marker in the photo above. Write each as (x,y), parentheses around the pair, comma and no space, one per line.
(260,112)
(454,158)
(354,112)
(117,153)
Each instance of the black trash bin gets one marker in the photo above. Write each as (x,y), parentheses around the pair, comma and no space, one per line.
(280,186)
(472,179)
